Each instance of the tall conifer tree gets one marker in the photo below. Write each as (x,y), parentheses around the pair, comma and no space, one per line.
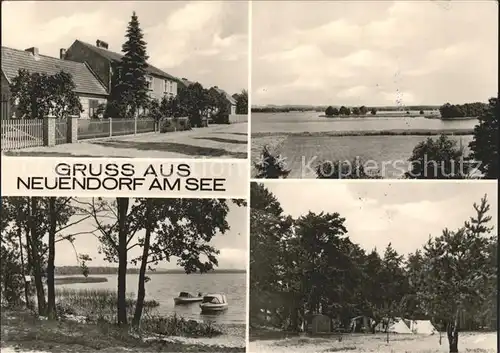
(133,68)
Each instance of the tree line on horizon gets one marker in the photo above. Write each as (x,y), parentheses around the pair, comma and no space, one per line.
(108,270)
(38,95)
(470,110)
(179,229)
(433,158)
(322,108)
(308,265)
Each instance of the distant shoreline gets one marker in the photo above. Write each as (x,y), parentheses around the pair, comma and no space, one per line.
(371,116)
(394,132)
(97,271)
(79,279)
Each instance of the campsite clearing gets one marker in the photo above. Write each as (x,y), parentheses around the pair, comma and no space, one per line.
(353,343)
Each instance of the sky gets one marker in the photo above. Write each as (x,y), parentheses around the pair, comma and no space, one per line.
(232,244)
(378,213)
(201,41)
(374,53)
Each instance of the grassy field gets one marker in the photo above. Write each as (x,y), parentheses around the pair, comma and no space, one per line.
(23,332)
(389,153)
(353,343)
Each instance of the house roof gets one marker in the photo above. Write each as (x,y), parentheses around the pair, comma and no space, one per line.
(227,95)
(186,82)
(14,59)
(112,56)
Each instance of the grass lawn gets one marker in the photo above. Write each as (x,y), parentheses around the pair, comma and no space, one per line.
(353,343)
(22,332)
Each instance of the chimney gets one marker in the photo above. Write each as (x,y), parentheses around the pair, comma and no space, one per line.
(101,44)
(32,50)
(62,53)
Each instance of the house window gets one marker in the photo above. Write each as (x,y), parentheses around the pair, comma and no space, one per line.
(166,86)
(93,106)
(149,81)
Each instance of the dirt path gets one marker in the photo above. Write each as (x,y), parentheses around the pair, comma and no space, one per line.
(468,342)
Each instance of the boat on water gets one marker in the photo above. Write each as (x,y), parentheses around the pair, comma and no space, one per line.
(214,303)
(187,298)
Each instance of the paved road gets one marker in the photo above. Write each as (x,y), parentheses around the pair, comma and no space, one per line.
(216,141)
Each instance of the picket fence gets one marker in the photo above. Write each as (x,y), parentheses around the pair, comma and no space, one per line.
(25,133)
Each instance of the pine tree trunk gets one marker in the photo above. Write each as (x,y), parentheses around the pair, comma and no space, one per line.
(36,261)
(51,308)
(452,332)
(141,290)
(122,204)
(23,268)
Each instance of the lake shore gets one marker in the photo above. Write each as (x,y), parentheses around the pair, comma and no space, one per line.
(23,332)
(79,279)
(390,132)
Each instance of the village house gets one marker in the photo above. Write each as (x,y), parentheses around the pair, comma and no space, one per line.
(88,87)
(103,62)
(230,101)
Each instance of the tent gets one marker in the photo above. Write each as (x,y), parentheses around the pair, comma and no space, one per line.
(422,327)
(399,326)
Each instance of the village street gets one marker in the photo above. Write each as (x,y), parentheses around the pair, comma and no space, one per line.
(215,141)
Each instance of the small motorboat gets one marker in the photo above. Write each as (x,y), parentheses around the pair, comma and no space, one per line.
(188,298)
(214,303)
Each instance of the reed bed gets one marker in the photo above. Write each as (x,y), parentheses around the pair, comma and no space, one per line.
(99,306)
(96,304)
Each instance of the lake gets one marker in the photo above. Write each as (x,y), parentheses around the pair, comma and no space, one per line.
(298,122)
(164,287)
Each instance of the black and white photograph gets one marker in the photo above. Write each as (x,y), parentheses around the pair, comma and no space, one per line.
(372,267)
(150,79)
(123,275)
(375,89)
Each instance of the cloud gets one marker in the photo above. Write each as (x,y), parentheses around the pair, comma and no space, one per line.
(349,45)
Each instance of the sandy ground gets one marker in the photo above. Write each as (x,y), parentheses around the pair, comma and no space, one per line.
(468,342)
(216,141)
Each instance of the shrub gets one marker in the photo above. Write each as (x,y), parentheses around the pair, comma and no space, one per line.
(178,326)
(270,166)
(439,158)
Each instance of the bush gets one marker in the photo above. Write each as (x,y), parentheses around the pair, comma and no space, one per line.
(329,111)
(439,158)
(11,278)
(178,326)
(270,166)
